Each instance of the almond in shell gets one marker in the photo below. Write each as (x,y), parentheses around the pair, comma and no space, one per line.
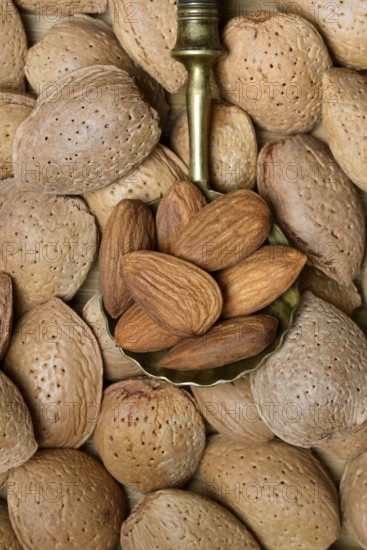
(353,491)
(51,10)
(6,312)
(13,47)
(8,539)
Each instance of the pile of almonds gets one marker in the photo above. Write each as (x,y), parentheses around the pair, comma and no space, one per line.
(94,454)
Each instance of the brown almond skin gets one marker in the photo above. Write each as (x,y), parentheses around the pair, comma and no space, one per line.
(315,204)
(353,498)
(150,434)
(205,524)
(6,312)
(179,204)
(115,365)
(65,497)
(188,302)
(136,331)
(322,360)
(16,427)
(63,7)
(8,539)
(257,281)
(13,48)
(266,485)
(225,231)
(55,361)
(223,344)
(230,410)
(130,227)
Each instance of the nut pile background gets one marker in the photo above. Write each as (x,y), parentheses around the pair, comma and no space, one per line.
(151,436)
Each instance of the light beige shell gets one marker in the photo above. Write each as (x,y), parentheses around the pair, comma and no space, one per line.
(344,113)
(91,130)
(198,523)
(14,108)
(233,147)
(346,447)
(150,434)
(353,490)
(148,182)
(311,389)
(13,47)
(230,410)
(49,244)
(8,539)
(315,204)
(18,442)
(6,312)
(81,42)
(273,70)
(55,361)
(115,365)
(342,24)
(65,499)
(281,493)
(342,296)
(51,10)
(148,32)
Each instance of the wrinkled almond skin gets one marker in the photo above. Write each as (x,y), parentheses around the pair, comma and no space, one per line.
(148,32)
(8,539)
(342,25)
(150,435)
(115,365)
(48,245)
(188,300)
(353,490)
(148,182)
(232,149)
(130,227)
(6,312)
(199,523)
(179,204)
(315,204)
(230,410)
(13,47)
(63,7)
(308,380)
(345,127)
(65,498)
(84,128)
(273,70)
(223,344)
(83,41)
(258,280)
(264,483)
(346,447)
(16,427)
(55,361)
(225,232)
(136,331)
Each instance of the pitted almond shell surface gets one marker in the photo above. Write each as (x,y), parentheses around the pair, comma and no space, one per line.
(63,7)
(346,447)
(13,47)
(6,312)
(8,539)
(353,498)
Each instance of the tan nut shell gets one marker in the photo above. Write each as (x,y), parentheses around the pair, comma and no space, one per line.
(198,523)
(94,128)
(315,203)
(6,312)
(14,108)
(81,42)
(51,10)
(344,113)
(316,378)
(55,361)
(74,503)
(150,434)
(346,447)
(18,442)
(342,24)
(233,147)
(115,365)
(148,32)
(13,47)
(353,490)
(148,182)
(281,493)
(63,237)
(8,539)
(230,409)
(273,70)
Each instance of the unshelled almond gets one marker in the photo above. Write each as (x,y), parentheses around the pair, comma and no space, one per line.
(225,231)
(181,202)
(179,296)
(257,281)
(130,227)
(224,343)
